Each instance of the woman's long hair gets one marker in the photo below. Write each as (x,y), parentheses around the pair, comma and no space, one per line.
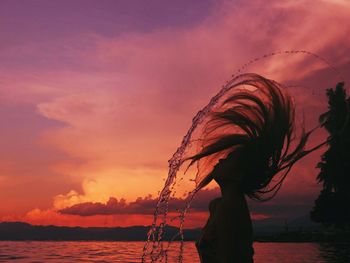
(258,124)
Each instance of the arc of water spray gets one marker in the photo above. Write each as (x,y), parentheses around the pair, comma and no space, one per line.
(177,160)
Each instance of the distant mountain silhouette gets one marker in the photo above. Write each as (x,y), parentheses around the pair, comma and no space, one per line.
(23,231)
(304,222)
(298,230)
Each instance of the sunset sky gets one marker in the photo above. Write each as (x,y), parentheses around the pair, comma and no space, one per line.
(95,97)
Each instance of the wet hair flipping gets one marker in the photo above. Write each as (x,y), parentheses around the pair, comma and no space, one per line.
(257,123)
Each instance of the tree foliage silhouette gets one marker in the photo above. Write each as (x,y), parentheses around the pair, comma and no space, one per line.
(332,207)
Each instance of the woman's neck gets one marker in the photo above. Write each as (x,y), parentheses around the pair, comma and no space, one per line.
(231,191)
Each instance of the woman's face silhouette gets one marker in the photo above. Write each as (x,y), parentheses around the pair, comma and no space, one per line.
(226,169)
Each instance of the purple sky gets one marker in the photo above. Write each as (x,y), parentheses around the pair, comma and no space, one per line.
(95,96)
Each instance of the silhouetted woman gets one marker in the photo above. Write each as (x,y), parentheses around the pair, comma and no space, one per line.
(254,135)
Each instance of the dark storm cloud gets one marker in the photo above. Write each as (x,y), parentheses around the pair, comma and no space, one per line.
(284,207)
(141,205)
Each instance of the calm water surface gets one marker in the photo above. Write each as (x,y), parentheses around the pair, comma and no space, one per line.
(130,252)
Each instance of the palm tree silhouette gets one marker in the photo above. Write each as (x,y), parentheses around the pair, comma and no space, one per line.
(332,205)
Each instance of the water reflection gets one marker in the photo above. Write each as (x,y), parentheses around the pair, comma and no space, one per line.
(122,252)
(287,252)
(335,252)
